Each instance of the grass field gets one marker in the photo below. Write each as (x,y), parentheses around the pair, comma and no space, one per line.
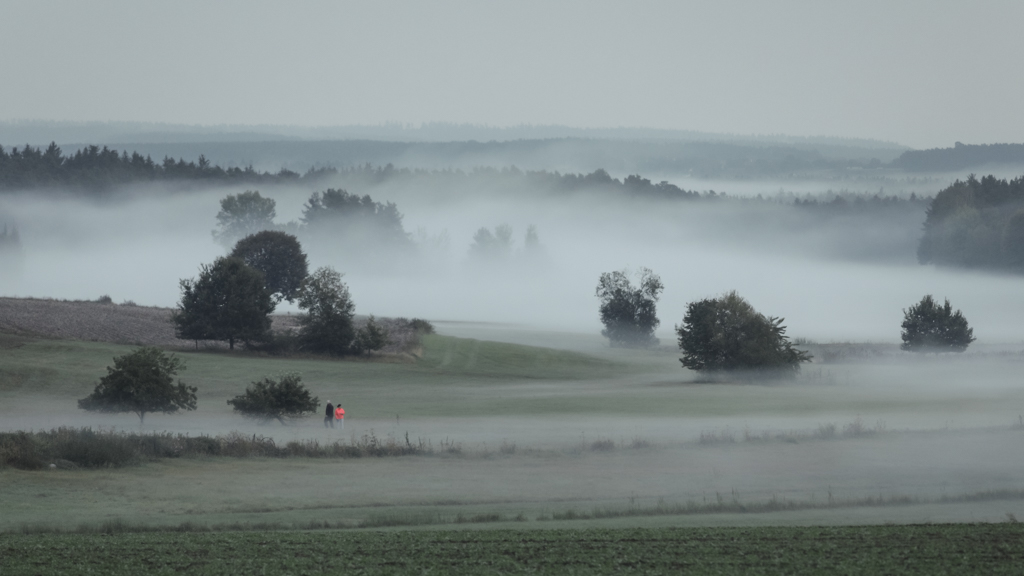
(571,430)
(930,550)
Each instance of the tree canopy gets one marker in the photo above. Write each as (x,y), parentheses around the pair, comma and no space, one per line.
(326,326)
(929,327)
(242,215)
(336,212)
(727,334)
(629,313)
(142,381)
(228,302)
(279,257)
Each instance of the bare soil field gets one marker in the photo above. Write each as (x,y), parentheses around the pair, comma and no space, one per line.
(94,321)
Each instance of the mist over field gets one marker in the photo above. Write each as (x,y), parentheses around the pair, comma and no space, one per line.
(817,160)
(834,277)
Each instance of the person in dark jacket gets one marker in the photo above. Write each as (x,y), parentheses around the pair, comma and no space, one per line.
(329,419)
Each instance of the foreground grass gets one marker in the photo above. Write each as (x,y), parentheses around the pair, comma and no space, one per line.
(434,385)
(927,549)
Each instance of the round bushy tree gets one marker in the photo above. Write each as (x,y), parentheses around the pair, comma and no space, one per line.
(929,327)
(142,382)
(227,302)
(243,214)
(279,257)
(280,399)
(326,326)
(629,313)
(727,334)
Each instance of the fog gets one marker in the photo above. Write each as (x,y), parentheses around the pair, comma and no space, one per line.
(834,278)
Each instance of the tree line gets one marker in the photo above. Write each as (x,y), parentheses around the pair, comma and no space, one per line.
(976,223)
(93,168)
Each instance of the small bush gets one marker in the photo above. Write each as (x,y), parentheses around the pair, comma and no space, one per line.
(372,337)
(271,399)
(105,299)
(420,326)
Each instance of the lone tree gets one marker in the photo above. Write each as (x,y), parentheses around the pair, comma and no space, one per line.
(227,302)
(629,313)
(141,382)
(326,326)
(243,214)
(279,257)
(728,334)
(929,327)
(271,399)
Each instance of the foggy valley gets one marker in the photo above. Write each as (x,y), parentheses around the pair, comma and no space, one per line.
(466,289)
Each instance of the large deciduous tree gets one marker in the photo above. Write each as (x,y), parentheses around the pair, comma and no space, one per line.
(279,257)
(629,313)
(243,214)
(142,381)
(228,302)
(727,334)
(929,327)
(326,326)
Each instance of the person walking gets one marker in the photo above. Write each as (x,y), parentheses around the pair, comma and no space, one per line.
(339,415)
(329,418)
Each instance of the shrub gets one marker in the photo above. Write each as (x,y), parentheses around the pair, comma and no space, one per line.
(270,399)
(928,327)
(727,334)
(420,326)
(370,338)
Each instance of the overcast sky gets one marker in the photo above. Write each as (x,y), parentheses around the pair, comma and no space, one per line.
(921,73)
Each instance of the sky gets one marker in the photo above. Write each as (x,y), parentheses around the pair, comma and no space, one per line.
(920,73)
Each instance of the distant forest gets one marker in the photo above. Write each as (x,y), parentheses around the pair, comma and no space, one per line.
(959,157)
(94,170)
(98,169)
(976,224)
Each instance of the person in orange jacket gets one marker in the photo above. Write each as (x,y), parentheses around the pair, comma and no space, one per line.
(339,415)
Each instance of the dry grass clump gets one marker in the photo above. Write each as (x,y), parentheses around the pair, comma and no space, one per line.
(856,428)
(88,448)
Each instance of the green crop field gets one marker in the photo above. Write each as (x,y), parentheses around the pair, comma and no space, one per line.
(928,550)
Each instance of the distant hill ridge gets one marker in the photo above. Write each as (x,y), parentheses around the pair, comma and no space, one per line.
(960,157)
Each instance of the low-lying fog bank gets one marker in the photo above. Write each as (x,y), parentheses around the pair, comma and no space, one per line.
(834,278)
